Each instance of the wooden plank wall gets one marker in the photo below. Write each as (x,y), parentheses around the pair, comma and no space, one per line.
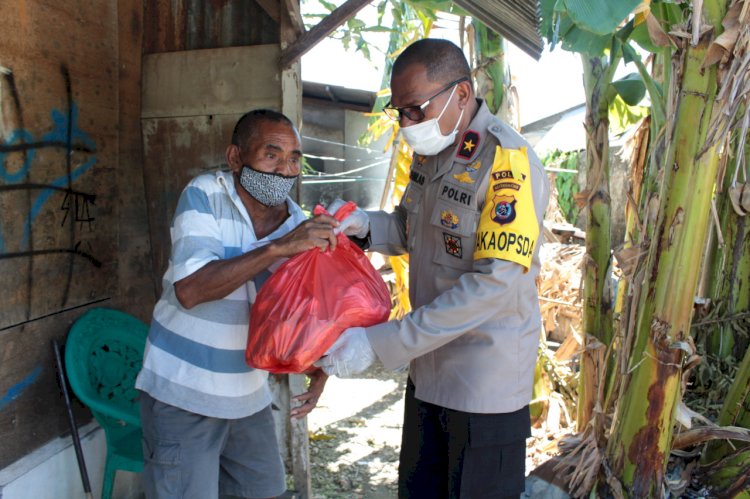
(73,232)
(173,25)
(191,102)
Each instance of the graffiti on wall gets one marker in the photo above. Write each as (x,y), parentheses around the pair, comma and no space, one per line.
(16,390)
(20,162)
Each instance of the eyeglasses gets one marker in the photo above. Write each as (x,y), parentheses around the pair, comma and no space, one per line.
(416,113)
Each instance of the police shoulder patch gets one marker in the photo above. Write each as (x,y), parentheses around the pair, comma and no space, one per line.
(508,225)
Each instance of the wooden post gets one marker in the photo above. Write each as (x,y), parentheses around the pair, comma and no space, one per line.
(291,105)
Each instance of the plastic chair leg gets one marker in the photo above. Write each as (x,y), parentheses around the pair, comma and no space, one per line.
(109,480)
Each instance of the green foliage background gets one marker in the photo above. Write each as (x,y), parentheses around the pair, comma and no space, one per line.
(565,182)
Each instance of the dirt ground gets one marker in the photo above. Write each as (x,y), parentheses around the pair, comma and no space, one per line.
(355,437)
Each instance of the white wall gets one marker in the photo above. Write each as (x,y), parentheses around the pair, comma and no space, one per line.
(51,472)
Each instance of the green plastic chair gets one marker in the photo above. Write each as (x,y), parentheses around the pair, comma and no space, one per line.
(103,354)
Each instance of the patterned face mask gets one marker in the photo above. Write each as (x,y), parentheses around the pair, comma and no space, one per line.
(270,189)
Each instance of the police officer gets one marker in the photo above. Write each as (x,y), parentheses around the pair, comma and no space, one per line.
(470,220)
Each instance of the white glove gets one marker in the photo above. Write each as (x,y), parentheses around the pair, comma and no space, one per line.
(357,224)
(349,355)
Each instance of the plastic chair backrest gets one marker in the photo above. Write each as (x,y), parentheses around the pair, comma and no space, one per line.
(103,355)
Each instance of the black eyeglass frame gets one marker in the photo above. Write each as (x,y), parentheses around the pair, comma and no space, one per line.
(395,113)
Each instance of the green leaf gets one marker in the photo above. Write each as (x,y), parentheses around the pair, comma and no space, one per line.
(623,33)
(622,115)
(601,18)
(381,11)
(355,24)
(631,88)
(614,50)
(378,29)
(328,5)
(672,13)
(643,39)
(629,54)
(655,91)
(546,11)
(363,47)
(586,42)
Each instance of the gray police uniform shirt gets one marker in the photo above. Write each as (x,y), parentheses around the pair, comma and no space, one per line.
(473,333)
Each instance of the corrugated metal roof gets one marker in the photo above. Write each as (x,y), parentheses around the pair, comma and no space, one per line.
(516,20)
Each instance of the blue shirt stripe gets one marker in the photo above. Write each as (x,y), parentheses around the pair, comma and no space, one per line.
(200,355)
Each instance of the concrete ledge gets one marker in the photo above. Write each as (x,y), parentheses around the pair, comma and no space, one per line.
(51,472)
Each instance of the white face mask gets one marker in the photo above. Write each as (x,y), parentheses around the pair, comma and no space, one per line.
(426,138)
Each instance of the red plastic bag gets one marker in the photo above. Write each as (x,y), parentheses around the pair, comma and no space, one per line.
(310,300)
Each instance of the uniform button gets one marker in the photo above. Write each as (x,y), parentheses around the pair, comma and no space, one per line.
(495,128)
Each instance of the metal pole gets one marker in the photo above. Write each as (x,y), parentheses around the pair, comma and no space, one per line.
(72,420)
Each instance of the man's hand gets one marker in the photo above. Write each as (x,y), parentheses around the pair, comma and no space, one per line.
(317,232)
(349,355)
(357,224)
(309,399)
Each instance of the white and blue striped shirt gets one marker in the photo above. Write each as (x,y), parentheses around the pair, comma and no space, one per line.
(195,359)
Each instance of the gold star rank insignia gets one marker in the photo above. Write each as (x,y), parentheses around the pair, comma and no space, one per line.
(469,144)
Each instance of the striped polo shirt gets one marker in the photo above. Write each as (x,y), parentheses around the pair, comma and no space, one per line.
(195,359)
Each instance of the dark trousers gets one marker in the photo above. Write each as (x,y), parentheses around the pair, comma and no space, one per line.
(454,454)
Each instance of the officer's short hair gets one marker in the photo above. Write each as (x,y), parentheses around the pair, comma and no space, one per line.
(443,59)
(251,122)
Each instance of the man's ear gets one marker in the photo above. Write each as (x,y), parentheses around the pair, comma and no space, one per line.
(464,91)
(233,158)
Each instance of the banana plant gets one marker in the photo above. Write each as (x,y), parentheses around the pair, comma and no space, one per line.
(678,187)
(596,34)
(641,438)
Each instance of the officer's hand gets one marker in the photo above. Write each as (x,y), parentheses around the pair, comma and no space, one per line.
(316,232)
(357,224)
(349,355)
(309,399)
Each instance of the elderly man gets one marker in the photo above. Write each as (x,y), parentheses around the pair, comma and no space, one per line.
(470,221)
(207,422)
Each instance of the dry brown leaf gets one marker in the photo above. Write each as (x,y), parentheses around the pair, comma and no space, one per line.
(702,434)
(740,196)
(570,346)
(657,34)
(627,259)
(582,198)
(722,47)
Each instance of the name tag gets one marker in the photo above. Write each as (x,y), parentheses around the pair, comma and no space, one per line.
(453,193)
(416,177)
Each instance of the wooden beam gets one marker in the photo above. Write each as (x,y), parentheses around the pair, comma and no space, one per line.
(295,17)
(271,7)
(325,27)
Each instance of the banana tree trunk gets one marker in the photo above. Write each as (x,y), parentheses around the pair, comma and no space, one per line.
(597,304)
(734,412)
(729,272)
(490,68)
(736,408)
(642,431)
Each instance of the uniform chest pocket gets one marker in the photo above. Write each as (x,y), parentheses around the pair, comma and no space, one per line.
(411,198)
(454,231)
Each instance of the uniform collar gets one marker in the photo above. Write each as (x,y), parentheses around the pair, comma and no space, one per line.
(471,142)
(475,135)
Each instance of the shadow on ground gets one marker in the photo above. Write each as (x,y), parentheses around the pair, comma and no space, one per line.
(355,437)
